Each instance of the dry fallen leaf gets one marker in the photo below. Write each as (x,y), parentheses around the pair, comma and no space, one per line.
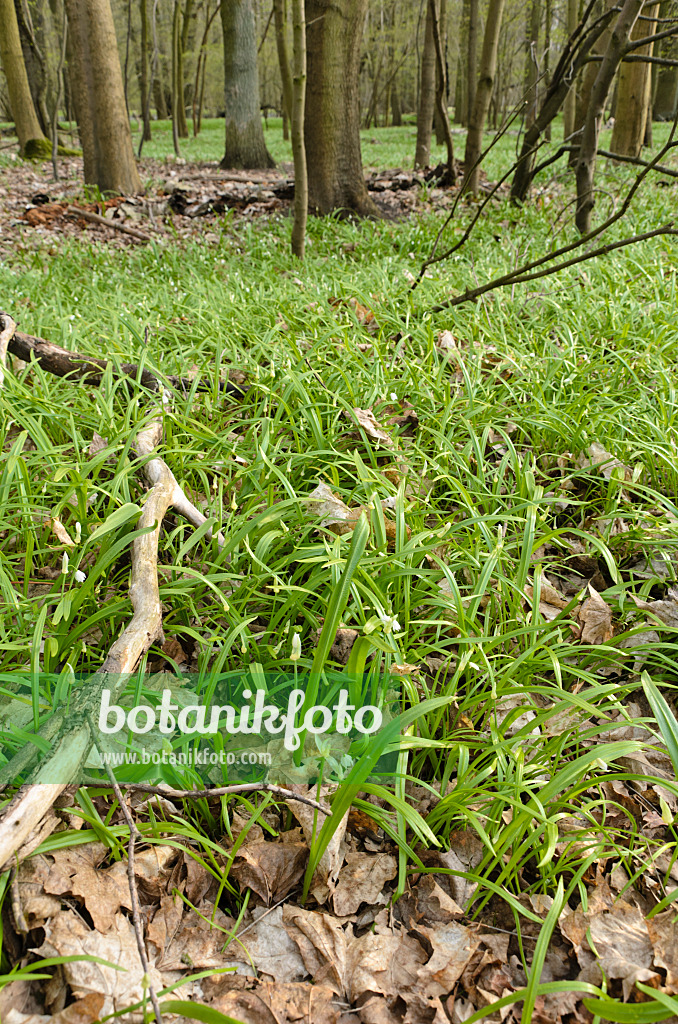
(361,880)
(366,419)
(75,871)
(598,456)
(327,871)
(83,1011)
(271,870)
(68,935)
(667,611)
(551,601)
(595,617)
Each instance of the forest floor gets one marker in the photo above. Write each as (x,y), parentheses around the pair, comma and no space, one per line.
(470,514)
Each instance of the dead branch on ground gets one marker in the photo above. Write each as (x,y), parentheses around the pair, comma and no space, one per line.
(95,218)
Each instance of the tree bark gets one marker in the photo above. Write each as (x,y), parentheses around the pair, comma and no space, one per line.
(442,27)
(488,66)
(25,118)
(182,126)
(450,177)
(570,99)
(334,31)
(245,145)
(177,99)
(586,161)
(422,154)
(298,147)
(100,99)
(634,93)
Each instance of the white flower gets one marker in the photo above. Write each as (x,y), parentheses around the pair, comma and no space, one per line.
(64,563)
(296,647)
(78,530)
(394,397)
(80,576)
(390,623)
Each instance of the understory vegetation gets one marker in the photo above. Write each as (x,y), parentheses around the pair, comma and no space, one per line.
(517,462)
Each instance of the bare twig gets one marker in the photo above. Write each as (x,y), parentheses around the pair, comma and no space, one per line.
(134,894)
(7,332)
(530,271)
(95,218)
(204,794)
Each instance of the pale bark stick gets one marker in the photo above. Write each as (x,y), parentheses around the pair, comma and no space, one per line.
(297,119)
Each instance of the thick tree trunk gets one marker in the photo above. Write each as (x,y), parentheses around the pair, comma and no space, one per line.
(532,61)
(666,97)
(570,100)
(245,145)
(26,122)
(298,147)
(427,96)
(586,161)
(334,31)
(99,97)
(634,93)
(396,111)
(488,66)
(583,93)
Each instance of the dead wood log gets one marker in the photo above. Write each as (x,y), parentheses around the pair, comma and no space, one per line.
(88,369)
(95,218)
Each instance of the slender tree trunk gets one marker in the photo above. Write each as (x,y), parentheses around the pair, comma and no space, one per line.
(182,126)
(488,65)
(298,110)
(31,137)
(283,61)
(532,61)
(564,75)
(586,161)
(422,155)
(634,93)
(57,97)
(33,44)
(334,31)
(442,23)
(177,102)
(245,145)
(100,99)
(143,72)
(472,59)
(396,111)
(583,94)
(450,177)
(570,100)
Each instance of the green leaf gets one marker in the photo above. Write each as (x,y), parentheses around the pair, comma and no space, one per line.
(666,720)
(116,519)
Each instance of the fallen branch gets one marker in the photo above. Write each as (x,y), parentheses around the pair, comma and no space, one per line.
(95,218)
(62,363)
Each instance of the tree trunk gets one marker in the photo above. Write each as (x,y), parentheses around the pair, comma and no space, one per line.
(532,61)
(427,98)
(666,97)
(570,100)
(334,31)
(583,93)
(283,60)
(31,136)
(634,93)
(245,145)
(450,176)
(298,147)
(472,59)
(586,161)
(564,75)
(437,121)
(396,111)
(488,65)
(177,99)
(99,98)
(32,36)
(143,72)
(182,126)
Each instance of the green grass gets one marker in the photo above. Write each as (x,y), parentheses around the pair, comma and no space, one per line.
(547,371)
